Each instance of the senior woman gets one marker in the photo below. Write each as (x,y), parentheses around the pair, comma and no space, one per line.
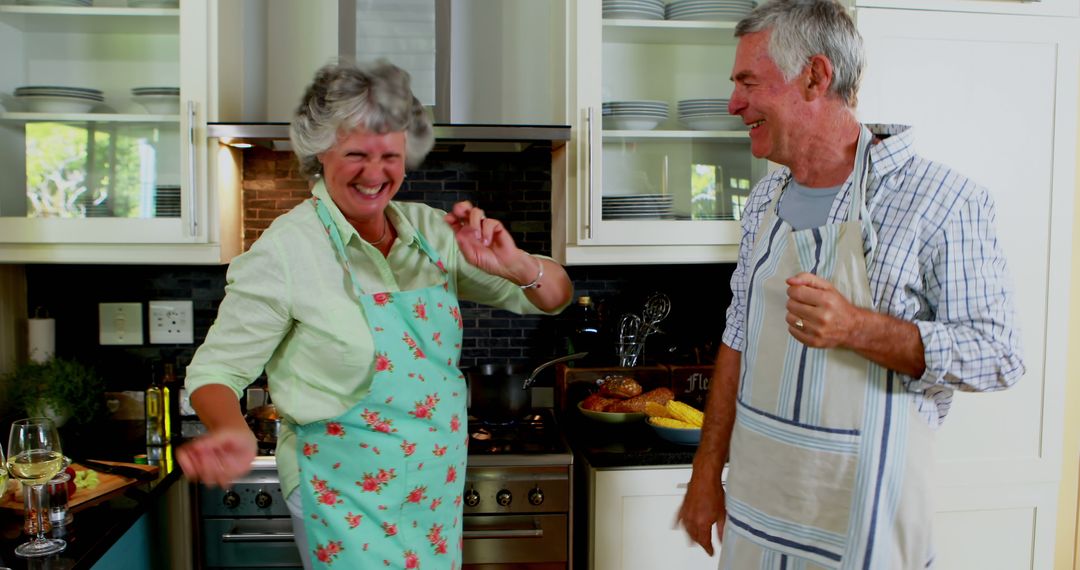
(350,303)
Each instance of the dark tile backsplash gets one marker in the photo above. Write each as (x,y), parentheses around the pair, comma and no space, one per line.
(512,187)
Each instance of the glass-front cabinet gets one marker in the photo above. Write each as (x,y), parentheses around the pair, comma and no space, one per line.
(103,107)
(659,171)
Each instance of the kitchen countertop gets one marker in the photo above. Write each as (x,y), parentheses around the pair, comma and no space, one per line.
(607,446)
(94,530)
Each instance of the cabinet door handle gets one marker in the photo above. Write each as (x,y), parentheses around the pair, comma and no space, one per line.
(589,164)
(192,190)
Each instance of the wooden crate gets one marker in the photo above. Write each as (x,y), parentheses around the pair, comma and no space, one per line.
(691,384)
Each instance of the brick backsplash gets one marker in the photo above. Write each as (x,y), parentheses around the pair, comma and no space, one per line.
(512,187)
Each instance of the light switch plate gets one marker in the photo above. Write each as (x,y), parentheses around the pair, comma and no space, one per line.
(171,322)
(120,323)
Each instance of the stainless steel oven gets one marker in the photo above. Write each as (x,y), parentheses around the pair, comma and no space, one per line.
(517,505)
(517,501)
(247,526)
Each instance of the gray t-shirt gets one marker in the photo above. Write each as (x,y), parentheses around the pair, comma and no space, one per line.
(804,208)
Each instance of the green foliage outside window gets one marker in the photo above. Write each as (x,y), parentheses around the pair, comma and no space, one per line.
(76,170)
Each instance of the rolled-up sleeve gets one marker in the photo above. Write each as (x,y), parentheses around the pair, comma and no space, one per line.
(972,343)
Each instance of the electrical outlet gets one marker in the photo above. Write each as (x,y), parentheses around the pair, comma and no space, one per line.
(171,322)
(120,323)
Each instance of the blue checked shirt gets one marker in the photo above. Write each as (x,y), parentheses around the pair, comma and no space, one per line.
(937,263)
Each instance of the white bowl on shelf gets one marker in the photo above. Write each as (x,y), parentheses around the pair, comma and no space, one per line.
(631,123)
(50,104)
(713,123)
(159,104)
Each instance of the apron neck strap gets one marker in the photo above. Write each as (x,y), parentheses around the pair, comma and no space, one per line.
(339,246)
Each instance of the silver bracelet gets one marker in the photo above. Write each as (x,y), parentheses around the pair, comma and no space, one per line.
(535,282)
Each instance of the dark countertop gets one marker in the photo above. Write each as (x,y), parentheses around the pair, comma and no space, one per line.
(93,530)
(634,444)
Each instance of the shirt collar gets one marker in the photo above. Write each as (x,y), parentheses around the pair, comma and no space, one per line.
(405,230)
(895,149)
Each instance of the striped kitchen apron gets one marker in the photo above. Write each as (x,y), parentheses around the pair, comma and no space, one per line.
(830,463)
(381,484)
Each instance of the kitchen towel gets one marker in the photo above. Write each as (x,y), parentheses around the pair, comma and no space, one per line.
(42,339)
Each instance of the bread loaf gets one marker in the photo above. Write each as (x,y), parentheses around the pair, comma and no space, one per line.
(596,403)
(620,387)
(637,404)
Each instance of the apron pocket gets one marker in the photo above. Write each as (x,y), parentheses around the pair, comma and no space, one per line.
(790,486)
(430,510)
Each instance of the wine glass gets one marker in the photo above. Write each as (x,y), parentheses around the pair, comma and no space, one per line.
(3,474)
(35,457)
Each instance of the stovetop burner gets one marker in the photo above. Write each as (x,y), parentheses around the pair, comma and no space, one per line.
(534,433)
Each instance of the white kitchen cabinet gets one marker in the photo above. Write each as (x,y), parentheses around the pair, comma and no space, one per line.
(1018,7)
(999,454)
(632,521)
(119,183)
(668,194)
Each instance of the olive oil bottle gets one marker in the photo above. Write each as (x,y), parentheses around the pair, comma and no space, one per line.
(158,422)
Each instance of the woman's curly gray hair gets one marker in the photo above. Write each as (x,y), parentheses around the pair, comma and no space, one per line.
(343,96)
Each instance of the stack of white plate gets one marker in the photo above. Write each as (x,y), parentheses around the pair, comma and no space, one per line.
(167,202)
(56,99)
(160,100)
(634,115)
(633,9)
(637,207)
(708,115)
(724,10)
(68,3)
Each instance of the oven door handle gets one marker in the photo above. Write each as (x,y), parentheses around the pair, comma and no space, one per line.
(494,532)
(258,537)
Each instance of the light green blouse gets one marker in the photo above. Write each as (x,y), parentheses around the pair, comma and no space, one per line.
(289,308)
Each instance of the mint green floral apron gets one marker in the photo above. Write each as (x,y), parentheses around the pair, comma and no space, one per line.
(381,484)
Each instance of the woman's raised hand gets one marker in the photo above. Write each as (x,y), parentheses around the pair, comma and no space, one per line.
(487,244)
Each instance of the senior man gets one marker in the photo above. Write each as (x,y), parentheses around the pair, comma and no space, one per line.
(870,286)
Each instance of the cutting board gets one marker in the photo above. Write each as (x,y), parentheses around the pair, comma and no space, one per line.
(109,484)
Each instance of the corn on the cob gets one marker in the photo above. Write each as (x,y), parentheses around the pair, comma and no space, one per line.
(686,413)
(671,423)
(654,410)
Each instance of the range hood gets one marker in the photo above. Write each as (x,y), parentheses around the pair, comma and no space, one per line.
(469,138)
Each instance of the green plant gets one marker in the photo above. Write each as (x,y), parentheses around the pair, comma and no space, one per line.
(69,388)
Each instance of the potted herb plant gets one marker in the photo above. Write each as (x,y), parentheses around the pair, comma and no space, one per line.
(59,389)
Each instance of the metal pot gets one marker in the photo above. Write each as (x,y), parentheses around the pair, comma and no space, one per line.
(502,389)
(265,423)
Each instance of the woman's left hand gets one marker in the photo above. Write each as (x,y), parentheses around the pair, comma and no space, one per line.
(487,244)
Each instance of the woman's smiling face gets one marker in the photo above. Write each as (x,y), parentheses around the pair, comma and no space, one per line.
(363,171)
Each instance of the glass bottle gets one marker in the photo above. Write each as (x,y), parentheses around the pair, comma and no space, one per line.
(585,336)
(157,411)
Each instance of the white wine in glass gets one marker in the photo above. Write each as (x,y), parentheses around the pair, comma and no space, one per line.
(35,457)
(36,467)
(3,474)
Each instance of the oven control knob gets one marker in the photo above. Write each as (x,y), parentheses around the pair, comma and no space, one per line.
(536,497)
(503,497)
(472,498)
(263,499)
(231,500)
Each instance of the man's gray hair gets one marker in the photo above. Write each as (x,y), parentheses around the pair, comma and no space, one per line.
(343,96)
(801,29)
